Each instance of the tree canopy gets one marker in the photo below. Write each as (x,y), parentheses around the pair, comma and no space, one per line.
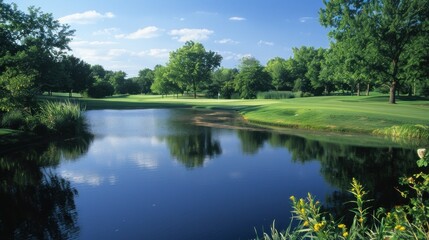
(383,32)
(31,44)
(192,65)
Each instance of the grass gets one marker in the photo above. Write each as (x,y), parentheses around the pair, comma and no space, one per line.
(342,114)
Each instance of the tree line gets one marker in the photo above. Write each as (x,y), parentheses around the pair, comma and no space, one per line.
(380,44)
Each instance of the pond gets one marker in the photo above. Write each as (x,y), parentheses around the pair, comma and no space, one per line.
(182,174)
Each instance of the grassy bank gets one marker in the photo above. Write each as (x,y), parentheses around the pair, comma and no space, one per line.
(355,114)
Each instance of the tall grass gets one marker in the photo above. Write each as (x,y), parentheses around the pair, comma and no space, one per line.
(62,118)
(275,95)
(417,131)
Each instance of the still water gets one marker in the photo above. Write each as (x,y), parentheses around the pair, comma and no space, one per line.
(181,174)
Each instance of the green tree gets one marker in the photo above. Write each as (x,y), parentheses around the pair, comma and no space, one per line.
(164,83)
(78,73)
(192,65)
(387,27)
(117,79)
(222,83)
(145,80)
(302,58)
(319,83)
(98,72)
(280,72)
(251,78)
(31,45)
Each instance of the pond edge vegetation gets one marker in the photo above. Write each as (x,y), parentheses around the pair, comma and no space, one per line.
(408,221)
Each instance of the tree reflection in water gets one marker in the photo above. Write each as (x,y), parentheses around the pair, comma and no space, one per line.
(193,146)
(378,168)
(37,203)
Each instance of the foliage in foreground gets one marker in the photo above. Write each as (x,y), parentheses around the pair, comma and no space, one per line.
(409,221)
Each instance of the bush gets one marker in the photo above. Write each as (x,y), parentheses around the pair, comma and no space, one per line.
(275,95)
(62,118)
(405,131)
(14,119)
(306,94)
(100,90)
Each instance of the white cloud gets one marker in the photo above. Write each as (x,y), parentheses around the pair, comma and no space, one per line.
(91,43)
(187,34)
(155,52)
(237,18)
(118,52)
(87,17)
(226,41)
(227,55)
(261,42)
(106,31)
(147,32)
(306,19)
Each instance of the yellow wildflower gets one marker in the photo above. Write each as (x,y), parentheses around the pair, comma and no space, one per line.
(397,227)
(302,211)
(345,234)
(292,198)
(341,225)
(305,224)
(316,227)
(402,228)
(360,220)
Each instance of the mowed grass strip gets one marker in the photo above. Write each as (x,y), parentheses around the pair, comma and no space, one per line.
(361,114)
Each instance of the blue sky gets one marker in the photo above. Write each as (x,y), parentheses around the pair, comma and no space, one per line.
(130,35)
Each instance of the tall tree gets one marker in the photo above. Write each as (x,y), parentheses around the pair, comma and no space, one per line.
(78,73)
(192,65)
(280,72)
(31,44)
(387,27)
(251,78)
(117,79)
(145,79)
(302,58)
(164,83)
(222,83)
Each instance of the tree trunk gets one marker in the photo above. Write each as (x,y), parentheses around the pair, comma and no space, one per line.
(195,92)
(358,89)
(392,96)
(367,89)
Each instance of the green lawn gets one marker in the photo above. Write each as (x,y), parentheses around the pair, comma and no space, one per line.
(361,114)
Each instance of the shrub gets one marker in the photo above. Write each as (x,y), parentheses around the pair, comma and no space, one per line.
(306,94)
(275,95)
(14,119)
(101,89)
(405,131)
(62,118)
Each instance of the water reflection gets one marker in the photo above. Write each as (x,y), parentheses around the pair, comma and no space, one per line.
(36,202)
(193,146)
(378,168)
(247,183)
